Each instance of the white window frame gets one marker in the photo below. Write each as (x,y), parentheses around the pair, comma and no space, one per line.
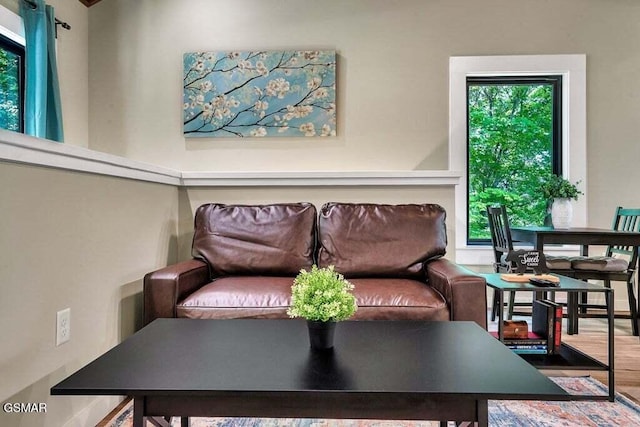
(11,26)
(574,130)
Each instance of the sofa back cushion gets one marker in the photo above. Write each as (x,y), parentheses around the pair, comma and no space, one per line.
(277,239)
(381,240)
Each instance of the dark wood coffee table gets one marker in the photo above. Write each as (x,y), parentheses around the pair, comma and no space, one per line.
(264,368)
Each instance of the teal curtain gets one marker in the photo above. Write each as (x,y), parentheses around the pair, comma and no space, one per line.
(42,109)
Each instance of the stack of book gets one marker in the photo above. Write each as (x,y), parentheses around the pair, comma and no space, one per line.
(546,321)
(545,336)
(532,344)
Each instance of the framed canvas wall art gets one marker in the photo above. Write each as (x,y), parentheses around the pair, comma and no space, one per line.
(259,94)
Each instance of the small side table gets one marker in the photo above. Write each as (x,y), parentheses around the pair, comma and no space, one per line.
(568,357)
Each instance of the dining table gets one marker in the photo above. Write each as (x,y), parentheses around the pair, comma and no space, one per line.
(539,236)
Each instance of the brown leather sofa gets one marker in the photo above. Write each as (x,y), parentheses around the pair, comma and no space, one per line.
(245,259)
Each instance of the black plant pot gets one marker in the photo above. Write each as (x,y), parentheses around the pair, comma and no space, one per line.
(321,334)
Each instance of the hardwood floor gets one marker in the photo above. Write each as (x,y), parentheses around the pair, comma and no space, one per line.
(592,339)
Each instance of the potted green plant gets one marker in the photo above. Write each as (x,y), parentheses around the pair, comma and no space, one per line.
(559,192)
(323,297)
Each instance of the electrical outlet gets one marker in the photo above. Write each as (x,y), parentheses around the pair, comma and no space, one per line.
(63,326)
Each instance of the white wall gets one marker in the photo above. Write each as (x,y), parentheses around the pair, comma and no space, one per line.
(388,84)
(73,70)
(79,241)
(392,78)
(62,235)
(73,65)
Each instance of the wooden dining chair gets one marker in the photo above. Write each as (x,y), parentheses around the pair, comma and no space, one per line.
(619,263)
(502,245)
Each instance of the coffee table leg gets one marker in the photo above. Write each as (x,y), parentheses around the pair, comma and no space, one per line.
(184,422)
(483,413)
(482,416)
(138,412)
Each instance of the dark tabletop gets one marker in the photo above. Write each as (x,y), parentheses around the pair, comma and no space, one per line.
(193,357)
(574,236)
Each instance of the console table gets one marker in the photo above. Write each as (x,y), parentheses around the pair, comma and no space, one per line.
(568,357)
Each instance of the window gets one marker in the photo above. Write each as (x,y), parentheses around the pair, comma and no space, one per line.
(573,164)
(514,135)
(11,84)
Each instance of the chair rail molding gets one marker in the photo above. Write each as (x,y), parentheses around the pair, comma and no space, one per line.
(25,149)
(321,178)
(19,148)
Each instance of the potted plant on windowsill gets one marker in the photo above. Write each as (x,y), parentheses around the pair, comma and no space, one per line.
(559,192)
(323,297)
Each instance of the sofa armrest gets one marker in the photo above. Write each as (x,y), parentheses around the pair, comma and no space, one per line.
(165,287)
(464,290)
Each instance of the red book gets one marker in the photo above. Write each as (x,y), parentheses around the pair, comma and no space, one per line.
(557,326)
(543,322)
(547,321)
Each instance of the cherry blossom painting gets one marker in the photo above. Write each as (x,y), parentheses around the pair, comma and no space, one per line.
(259,94)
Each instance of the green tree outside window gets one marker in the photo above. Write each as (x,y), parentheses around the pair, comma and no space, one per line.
(9,90)
(511,148)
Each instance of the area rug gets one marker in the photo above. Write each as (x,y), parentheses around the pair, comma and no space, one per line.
(505,413)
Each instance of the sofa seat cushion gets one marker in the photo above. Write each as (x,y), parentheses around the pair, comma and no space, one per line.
(239,297)
(397,299)
(270,297)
